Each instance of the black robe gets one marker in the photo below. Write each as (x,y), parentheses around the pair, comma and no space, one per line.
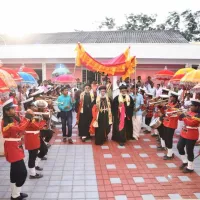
(85,117)
(127,132)
(101,133)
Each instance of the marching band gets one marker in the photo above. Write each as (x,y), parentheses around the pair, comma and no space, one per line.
(97,115)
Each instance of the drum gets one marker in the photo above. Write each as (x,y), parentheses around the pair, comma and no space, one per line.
(155,123)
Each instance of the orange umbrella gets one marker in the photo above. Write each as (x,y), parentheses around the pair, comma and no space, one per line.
(7,79)
(3,87)
(184,70)
(29,71)
(14,74)
(176,79)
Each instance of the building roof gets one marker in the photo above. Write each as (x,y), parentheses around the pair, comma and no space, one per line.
(97,37)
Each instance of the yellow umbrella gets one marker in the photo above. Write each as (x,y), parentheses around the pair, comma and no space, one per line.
(7,78)
(192,78)
(184,71)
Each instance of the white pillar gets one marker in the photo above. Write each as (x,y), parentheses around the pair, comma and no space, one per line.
(44,71)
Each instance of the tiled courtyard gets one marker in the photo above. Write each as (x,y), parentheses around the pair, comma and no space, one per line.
(84,171)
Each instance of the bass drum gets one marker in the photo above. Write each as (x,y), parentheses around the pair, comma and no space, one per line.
(155,123)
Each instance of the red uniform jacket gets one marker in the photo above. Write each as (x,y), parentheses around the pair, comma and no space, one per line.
(171,121)
(32,135)
(150,109)
(13,131)
(190,130)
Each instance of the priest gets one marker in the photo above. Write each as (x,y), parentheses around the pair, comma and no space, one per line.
(102,117)
(122,109)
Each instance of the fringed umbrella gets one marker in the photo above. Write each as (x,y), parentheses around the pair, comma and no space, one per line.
(164,75)
(3,87)
(60,71)
(29,71)
(7,79)
(175,80)
(14,74)
(64,79)
(185,70)
(191,79)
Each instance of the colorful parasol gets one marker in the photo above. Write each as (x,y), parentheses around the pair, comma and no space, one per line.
(164,75)
(196,88)
(27,78)
(3,87)
(29,71)
(60,71)
(14,74)
(176,79)
(184,70)
(192,78)
(7,79)
(64,79)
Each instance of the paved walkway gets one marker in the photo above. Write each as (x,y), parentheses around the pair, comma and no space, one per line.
(108,172)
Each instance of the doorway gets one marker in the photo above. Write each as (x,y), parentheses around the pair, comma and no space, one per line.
(89,76)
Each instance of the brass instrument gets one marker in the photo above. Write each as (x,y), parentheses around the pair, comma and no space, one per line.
(35,113)
(181,110)
(159,102)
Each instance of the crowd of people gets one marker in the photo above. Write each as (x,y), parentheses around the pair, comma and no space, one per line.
(124,109)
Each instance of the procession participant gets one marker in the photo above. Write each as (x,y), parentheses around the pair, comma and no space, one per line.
(32,140)
(165,91)
(170,123)
(149,110)
(84,115)
(102,117)
(137,112)
(189,135)
(12,129)
(122,109)
(143,108)
(65,105)
(109,88)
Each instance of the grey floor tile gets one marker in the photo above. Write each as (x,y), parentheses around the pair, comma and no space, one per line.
(77,195)
(121,197)
(78,188)
(161,179)
(51,195)
(184,178)
(148,197)
(174,196)
(90,188)
(65,195)
(138,179)
(40,188)
(37,195)
(66,182)
(90,195)
(51,189)
(54,183)
(66,188)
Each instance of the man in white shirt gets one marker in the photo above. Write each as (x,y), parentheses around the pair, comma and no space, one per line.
(158,90)
(152,89)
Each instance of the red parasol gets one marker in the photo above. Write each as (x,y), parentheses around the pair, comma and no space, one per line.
(3,87)
(64,79)
(29,71)
(176,79)
(13,74)
(164,75)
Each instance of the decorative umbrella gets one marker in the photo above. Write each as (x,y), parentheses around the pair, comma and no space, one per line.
(196,88)
(64,79)
(176,79)
(192,78)
(29,71)
(7,79)
(27,78)
(14,74)
(3,87)
(60,71)
(164,75)
(184,70)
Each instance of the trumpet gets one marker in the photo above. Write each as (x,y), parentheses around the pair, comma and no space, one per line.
(35,113)
(181,110)
(159,102)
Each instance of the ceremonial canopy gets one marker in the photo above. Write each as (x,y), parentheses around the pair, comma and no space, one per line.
(122,65)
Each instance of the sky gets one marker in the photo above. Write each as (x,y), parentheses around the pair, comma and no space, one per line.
(18,17)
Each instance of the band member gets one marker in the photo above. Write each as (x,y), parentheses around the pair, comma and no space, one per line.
(32,140)
(65,105)
(189,135)
(102,117)
(170,123)
(122,110)
(109,88)
(137,112)
(12,129)
(84,115)
(149,110)
(160,111)
(165,91)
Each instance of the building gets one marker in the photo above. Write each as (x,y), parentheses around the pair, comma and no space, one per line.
(154,50)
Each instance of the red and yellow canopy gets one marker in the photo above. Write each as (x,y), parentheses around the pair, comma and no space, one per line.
(122,65)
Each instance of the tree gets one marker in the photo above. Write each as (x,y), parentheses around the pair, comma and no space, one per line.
(108,23)
(140,22)
(173,21)
(192,25)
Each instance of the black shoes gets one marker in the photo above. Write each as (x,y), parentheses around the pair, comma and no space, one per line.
(36,176)
(183,166)
(168,157)
(160,148)
(39,168)
(44,158)
(21,197)
(186,170)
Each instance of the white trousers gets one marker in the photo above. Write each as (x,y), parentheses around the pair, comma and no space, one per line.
(137,124)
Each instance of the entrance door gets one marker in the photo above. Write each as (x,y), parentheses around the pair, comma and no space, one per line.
(39,73)
(89,76)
